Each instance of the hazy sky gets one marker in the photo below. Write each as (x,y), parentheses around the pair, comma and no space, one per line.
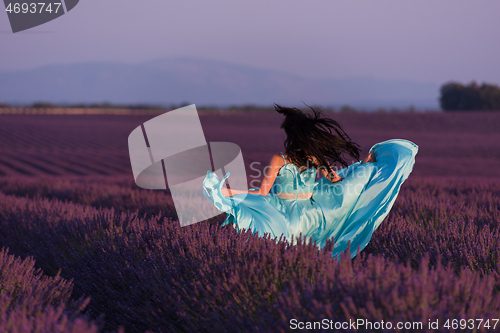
(424,40)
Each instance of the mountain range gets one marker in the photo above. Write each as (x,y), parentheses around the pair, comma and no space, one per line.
(174,80)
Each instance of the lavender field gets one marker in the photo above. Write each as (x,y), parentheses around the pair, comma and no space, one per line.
(83,249)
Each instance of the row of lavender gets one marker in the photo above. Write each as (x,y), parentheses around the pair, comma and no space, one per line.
(437,256)
(460,144)
(33,302)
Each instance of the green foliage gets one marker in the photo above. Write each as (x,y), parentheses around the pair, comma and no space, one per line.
(455,96)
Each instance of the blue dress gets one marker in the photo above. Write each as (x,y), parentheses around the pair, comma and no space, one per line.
(349,210)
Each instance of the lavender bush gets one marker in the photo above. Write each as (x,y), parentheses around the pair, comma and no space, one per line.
(94,232)
(33,302)
(117,192)
(445,216)
(456,218)
(151,274)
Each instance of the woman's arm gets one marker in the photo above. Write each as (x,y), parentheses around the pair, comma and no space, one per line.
(369,158)
(333,177)
(271,171)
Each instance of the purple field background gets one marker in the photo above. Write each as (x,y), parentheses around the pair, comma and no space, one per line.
(89,251)
(462,144)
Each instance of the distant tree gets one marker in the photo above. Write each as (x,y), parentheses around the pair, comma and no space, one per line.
(347,109)
(103,105)
(490,97)
(78,105)
(456,97)
(44,105)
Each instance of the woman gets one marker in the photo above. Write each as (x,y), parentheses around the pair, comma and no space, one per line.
(347,205)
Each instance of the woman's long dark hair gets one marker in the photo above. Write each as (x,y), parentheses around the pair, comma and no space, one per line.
(315,135)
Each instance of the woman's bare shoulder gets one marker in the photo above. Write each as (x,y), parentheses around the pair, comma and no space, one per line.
(278,157)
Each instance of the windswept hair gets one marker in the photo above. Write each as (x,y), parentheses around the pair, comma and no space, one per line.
(315,135)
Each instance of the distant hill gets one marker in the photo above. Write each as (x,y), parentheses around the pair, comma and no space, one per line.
(204,82)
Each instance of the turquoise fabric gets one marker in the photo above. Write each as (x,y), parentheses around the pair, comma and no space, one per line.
(290,180)
(349,210)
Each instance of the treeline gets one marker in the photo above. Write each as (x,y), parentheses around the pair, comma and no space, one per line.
(137,106)
(234,107)
(103,105)
(173,106)
(457,97)
(454,96)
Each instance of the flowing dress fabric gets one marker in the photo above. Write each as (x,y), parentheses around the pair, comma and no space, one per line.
(349,210)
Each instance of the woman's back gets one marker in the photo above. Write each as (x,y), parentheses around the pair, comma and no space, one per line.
(290,179)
